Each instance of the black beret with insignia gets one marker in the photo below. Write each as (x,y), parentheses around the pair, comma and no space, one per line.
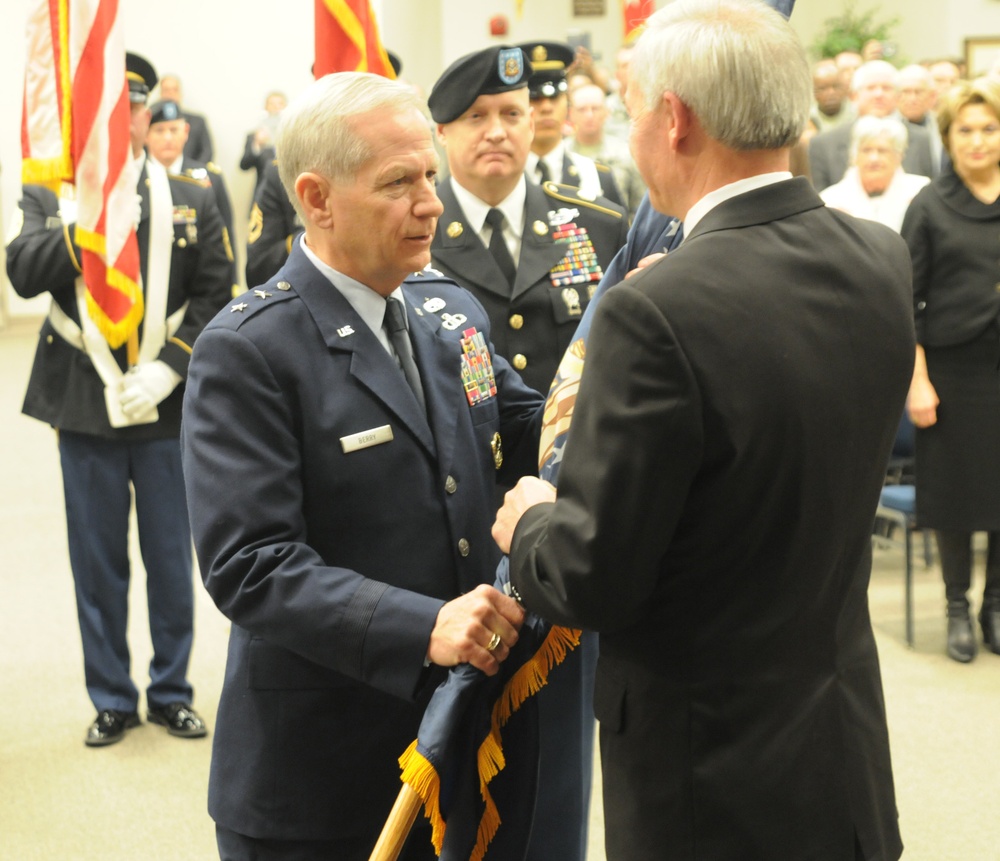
(165,111)
(141,77)
(499,69)
(549,61)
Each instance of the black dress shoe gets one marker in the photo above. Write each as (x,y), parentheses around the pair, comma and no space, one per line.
(110,727)
(989,619)
(961,643)
(179,719)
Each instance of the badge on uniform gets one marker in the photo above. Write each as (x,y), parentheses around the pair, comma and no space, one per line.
(184,214)
(477,368)
(579,264)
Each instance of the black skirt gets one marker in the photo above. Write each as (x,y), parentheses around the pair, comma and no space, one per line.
(958,458)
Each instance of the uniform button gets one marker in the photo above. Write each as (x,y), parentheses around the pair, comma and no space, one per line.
(516,321)
(182,243)
(520,362)
(463,547)
(284,285)
(450,485)
(49,339)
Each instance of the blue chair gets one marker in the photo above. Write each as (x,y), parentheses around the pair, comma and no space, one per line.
(896,515)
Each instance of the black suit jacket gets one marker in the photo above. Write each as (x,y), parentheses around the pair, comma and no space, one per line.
(199,142)
(533,324)
(737,408)
(829,153)
(64,388)
(334,563)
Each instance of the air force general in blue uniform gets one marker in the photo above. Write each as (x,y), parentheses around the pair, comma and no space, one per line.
(358,516)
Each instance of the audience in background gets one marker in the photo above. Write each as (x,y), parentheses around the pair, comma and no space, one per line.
(832,107)
(875,93)
(916,106)
(875,186)
(951,228)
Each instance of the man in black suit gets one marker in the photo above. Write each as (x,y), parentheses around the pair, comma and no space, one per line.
(737,407)
(354,561)
(119,416)
(875,92)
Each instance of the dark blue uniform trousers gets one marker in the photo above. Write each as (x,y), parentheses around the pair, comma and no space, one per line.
(97,474)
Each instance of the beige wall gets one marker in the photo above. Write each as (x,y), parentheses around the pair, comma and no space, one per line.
(230,54)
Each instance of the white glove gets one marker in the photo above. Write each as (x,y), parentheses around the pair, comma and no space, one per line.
(137,213)
(144,386)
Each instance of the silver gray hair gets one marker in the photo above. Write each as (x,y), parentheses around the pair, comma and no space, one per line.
(873,128)
(737,64)
(872,71)
(320,132)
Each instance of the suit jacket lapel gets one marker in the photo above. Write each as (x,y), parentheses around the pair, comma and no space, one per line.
(344,331)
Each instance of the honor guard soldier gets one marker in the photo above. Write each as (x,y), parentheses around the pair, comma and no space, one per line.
(550,158)
(165,142)
(118,417)
(532,254)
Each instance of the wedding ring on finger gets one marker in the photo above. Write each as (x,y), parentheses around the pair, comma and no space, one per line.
(493,643)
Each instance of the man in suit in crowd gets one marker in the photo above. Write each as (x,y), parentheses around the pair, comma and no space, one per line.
(198,146)
(354,562)
(916,107)
(536,270)
(274,224)
(875,92)
(738,404)
(561,243)
(118,414)
(549,158)
(165,141)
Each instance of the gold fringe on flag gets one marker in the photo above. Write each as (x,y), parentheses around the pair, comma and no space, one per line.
(528,680)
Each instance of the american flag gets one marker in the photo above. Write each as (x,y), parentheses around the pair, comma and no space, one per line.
(75,130)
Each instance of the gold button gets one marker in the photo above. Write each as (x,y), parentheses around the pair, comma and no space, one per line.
(463,547)
(182,243)
(516,321)
(49,339)
(450,485)
(520,362)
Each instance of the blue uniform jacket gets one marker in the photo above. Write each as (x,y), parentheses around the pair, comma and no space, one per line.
(333,564)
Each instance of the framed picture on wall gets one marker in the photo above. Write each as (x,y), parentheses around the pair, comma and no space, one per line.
(980,54)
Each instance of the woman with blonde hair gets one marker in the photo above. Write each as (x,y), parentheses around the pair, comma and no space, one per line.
(952,228)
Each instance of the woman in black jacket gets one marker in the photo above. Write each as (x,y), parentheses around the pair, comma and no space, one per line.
(953,230)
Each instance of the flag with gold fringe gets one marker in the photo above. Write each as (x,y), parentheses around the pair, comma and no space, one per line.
(474,762)
(347,39)
(75,131)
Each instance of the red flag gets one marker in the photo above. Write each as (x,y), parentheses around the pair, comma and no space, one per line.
(635,13)
(347,39)
(75,130)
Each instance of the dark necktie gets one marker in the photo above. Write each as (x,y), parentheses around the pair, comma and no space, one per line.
(543,172)
(498,246)
(395,325)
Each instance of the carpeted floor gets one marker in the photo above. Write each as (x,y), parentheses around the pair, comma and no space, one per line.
(145,797)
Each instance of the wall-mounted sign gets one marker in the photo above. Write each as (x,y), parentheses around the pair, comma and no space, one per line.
(588,7)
